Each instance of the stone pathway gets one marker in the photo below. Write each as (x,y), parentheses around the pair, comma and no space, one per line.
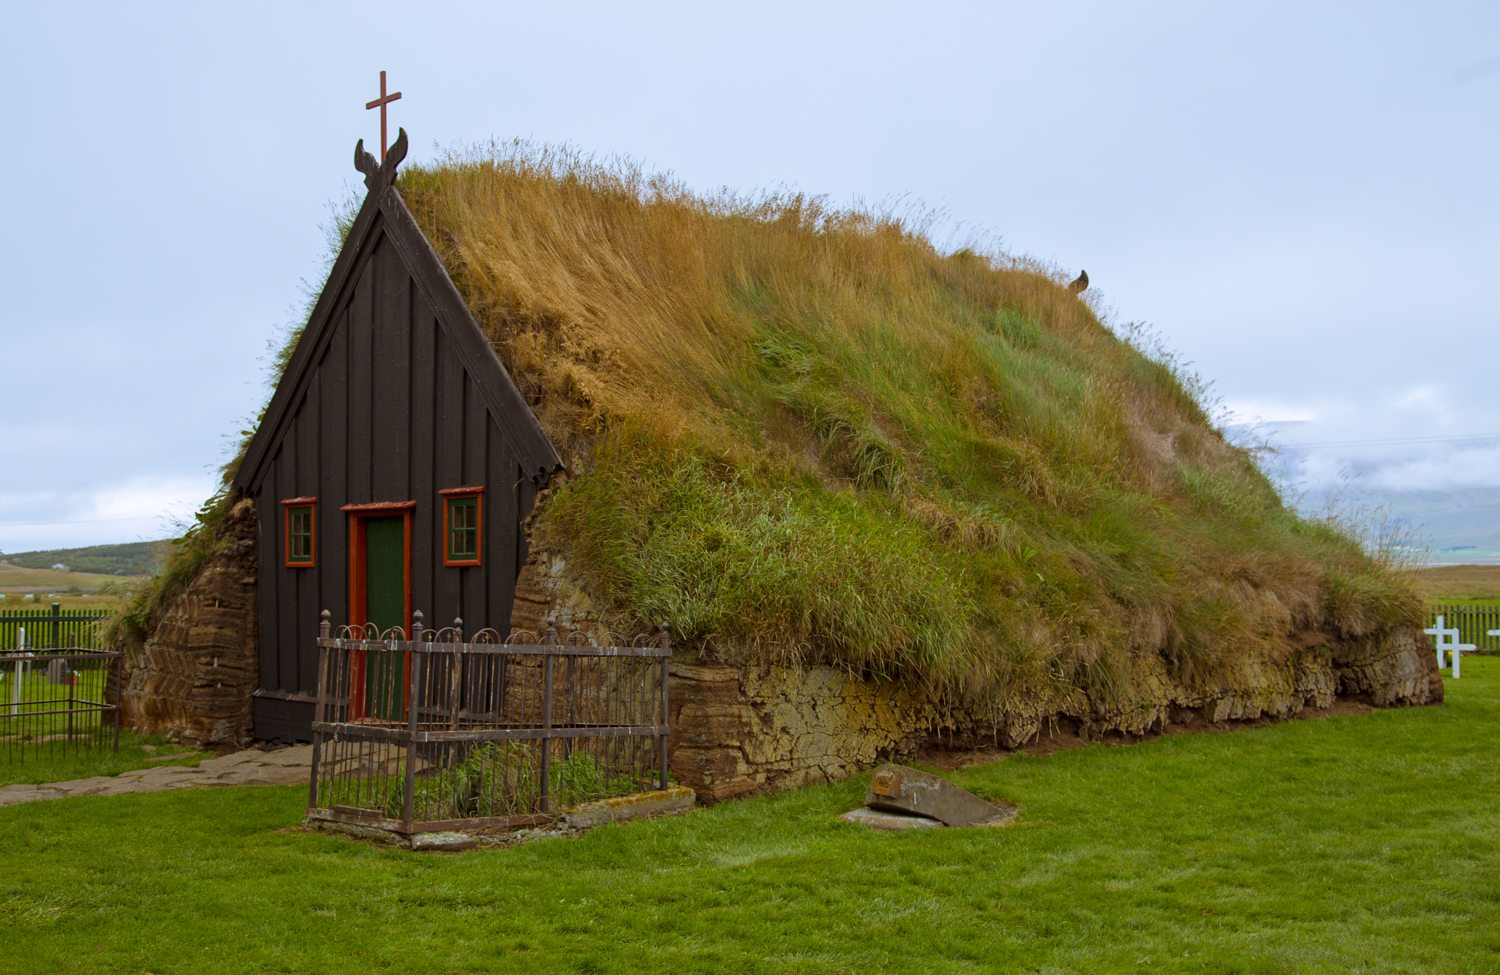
(284,766)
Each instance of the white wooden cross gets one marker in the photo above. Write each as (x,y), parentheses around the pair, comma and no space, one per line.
(15,697)
(1447,640)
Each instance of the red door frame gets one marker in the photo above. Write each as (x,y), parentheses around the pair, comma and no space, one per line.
(358,571)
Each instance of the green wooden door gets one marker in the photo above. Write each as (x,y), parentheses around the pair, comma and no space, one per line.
(385,606)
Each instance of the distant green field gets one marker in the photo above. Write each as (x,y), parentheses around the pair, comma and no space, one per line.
(129,558)
(1449,583)
(51,585)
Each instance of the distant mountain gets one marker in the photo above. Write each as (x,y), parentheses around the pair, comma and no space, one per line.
(129,558)
(1438,526)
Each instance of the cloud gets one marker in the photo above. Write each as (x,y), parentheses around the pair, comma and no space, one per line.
(1242,412)
(1424,436)
(1408,467)
(1418,396)
(1432,400)
(1441,470)
(142,507)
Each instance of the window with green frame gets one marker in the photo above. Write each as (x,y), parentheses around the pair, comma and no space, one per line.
(462,518)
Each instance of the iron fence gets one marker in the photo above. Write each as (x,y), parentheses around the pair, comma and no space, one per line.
(32,629)
(1473,620)
(435,731)
(58,702)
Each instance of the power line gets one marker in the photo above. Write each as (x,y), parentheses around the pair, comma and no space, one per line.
(1394,442)
(83,521)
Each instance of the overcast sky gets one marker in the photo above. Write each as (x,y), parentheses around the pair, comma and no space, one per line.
(1301,202)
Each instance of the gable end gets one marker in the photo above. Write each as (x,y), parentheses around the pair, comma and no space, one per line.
(384,215)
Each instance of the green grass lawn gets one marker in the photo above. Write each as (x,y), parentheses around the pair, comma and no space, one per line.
(60,762)
(1367,842)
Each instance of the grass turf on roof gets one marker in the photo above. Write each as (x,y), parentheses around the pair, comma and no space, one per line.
(803,434)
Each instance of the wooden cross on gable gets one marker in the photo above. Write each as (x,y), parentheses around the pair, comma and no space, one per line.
(381,103)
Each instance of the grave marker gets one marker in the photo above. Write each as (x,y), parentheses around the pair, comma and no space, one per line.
(905,798)
(20,675)
(1447,640)
(59,671)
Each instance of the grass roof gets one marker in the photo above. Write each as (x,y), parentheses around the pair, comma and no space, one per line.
(805,434)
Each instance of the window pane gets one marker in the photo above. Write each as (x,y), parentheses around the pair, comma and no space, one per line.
(463,529)
(299,534)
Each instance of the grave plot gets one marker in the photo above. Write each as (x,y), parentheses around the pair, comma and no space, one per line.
(57,702)
(436,734)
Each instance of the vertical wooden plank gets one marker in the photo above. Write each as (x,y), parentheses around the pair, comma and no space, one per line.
(267,514)
(476,423)
(427,520)
(390,331)
(448,434)
(285,474)
(309,430)
(475,431)
(333,486)
(360,403)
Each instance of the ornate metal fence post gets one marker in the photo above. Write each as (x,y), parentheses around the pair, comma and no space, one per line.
(570,693)
(413,695)
(119,669)
(666,660)
(455,675)
(320,705)
(547,662)
(68,676)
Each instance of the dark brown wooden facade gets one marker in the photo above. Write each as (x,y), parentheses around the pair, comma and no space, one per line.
(392,395)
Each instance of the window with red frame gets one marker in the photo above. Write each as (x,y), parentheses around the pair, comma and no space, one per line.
(300,517)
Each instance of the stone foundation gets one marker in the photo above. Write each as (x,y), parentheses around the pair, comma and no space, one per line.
(737,731)
(195,673)
(1393,669)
